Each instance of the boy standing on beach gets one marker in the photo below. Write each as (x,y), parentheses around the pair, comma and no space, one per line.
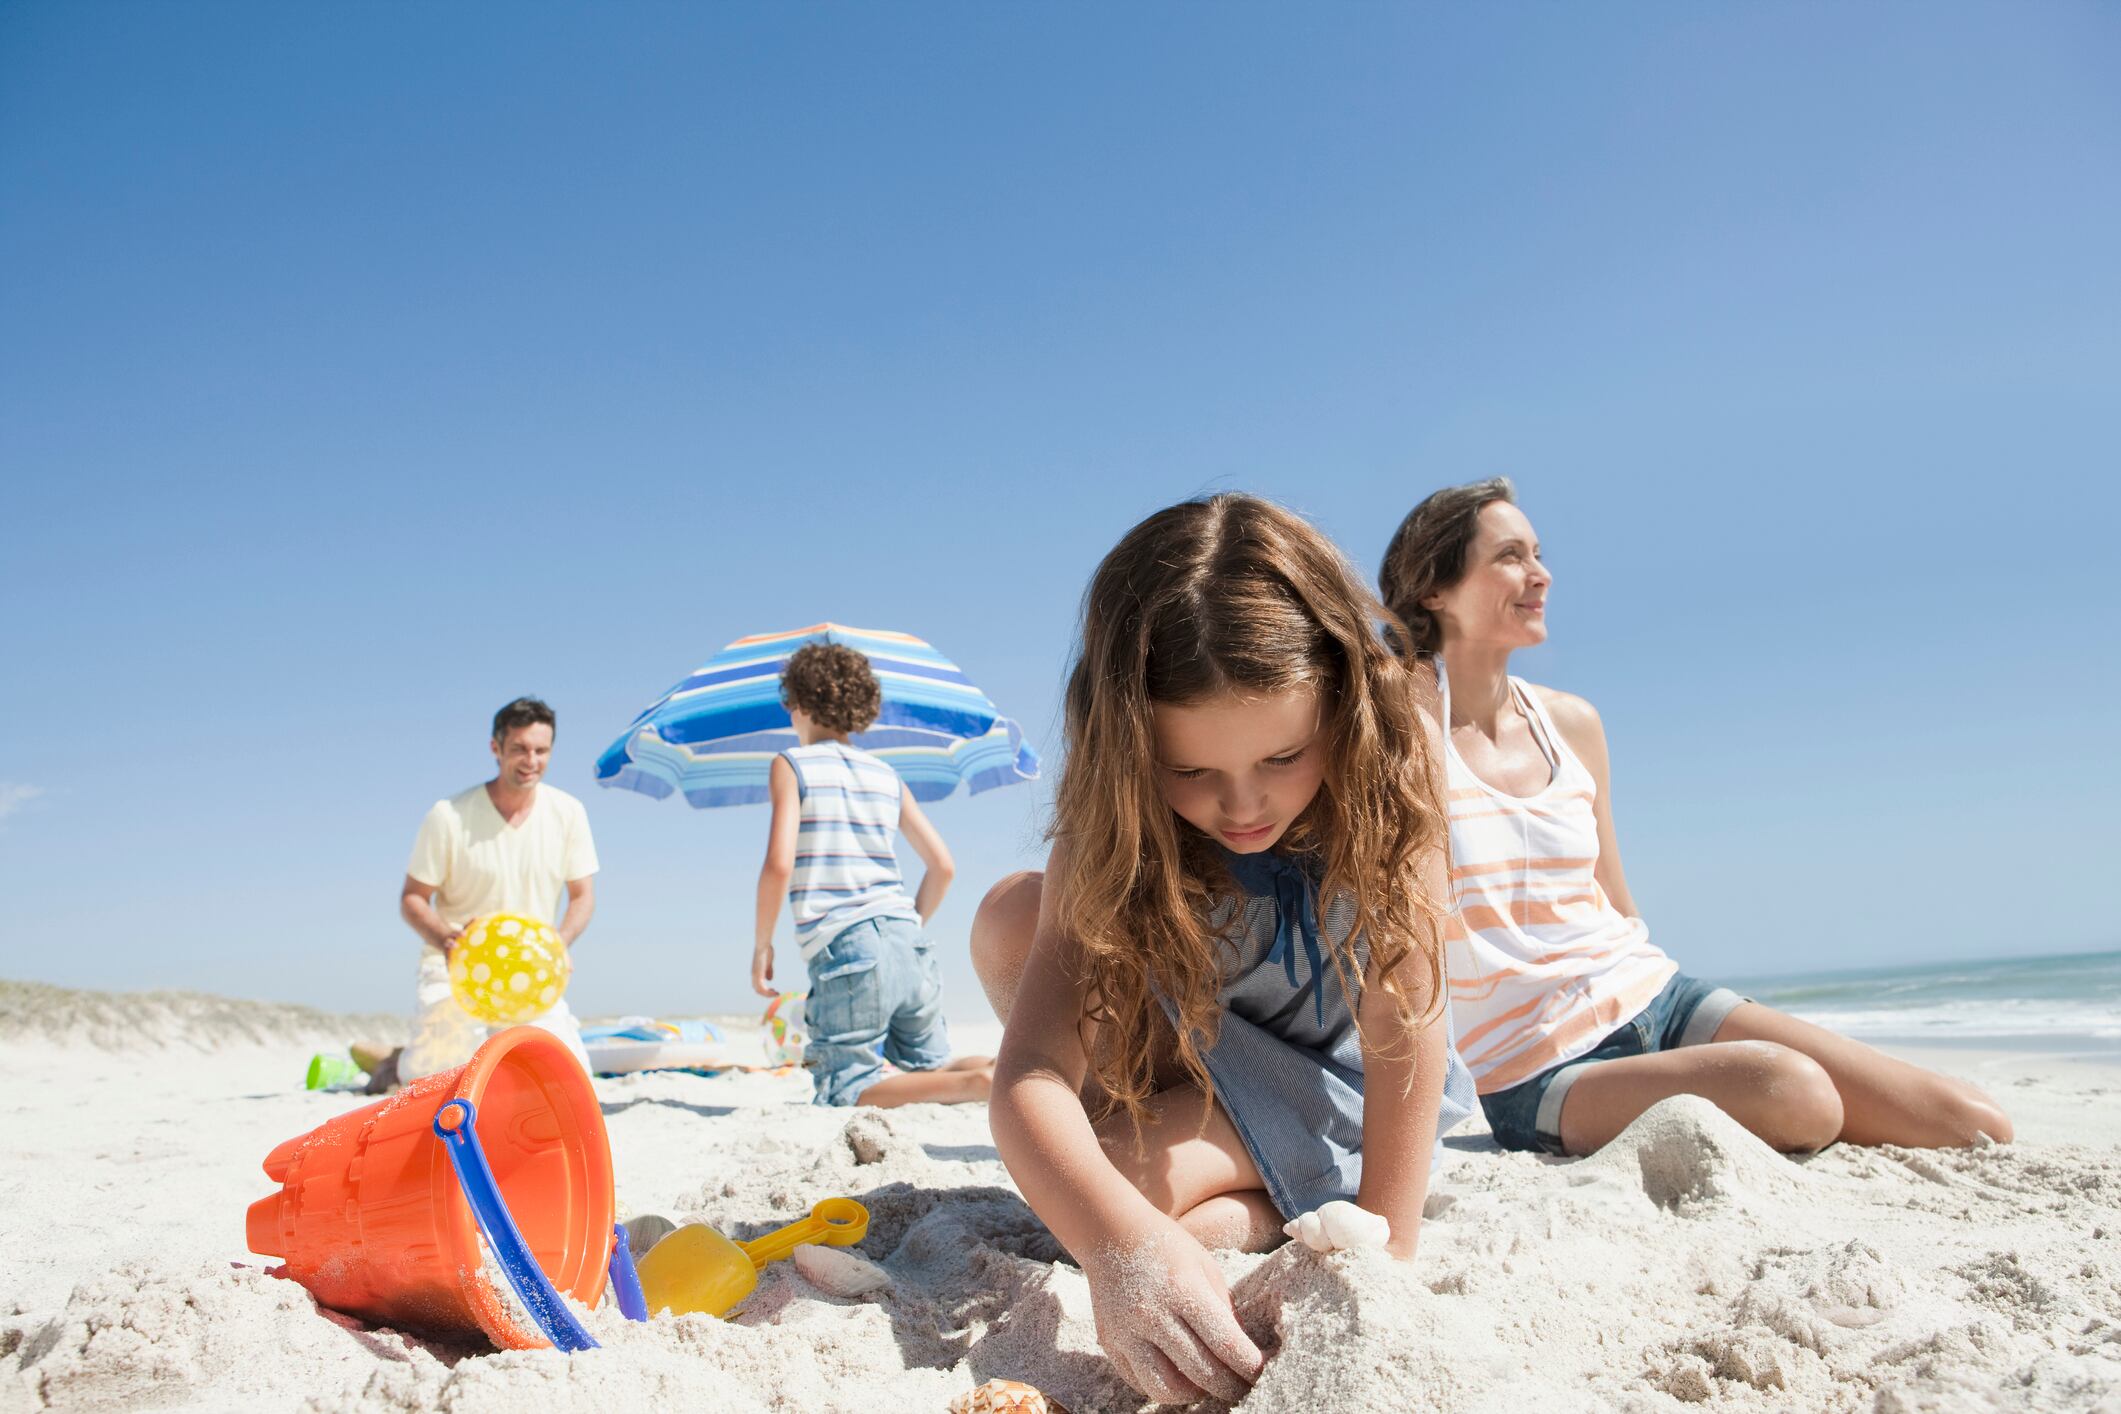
(875,991)
(506,846)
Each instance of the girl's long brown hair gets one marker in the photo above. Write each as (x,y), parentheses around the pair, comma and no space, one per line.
(1233,594)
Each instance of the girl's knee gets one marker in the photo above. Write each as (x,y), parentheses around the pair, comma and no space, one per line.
(1008,915)
(1002,928)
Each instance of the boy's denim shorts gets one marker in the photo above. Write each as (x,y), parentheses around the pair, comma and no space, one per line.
(875,996)
(1686,1013)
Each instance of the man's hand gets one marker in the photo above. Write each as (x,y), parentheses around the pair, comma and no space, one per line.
(450,940)
(762,969)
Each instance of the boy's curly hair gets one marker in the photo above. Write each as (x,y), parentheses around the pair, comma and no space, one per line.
(834,684)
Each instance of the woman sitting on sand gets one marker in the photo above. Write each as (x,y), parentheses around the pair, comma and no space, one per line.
(1572,1022)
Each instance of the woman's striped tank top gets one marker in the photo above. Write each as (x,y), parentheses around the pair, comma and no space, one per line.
(1542,965)
(846,856)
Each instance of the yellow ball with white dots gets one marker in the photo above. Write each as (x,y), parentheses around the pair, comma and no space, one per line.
(508,969)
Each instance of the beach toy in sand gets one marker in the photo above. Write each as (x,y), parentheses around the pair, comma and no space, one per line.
(781,1029)
(508,969)
(698,1269)
(1004,1397)
(327,1070)
(388,1212)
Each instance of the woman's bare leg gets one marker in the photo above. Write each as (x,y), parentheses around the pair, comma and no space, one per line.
(1883,1100)
(1798,1086)
(1784,1097)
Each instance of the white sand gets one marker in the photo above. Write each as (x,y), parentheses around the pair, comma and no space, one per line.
(1684,1265)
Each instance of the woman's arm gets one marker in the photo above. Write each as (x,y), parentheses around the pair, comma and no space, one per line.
(938,867)
(1585,733)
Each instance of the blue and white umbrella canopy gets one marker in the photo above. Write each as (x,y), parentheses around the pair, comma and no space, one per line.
(714,735)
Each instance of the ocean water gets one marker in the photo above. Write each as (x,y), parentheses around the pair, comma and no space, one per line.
(2066,1003)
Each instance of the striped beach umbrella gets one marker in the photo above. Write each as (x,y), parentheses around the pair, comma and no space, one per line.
(715,734)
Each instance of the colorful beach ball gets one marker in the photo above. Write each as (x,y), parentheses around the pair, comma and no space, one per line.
(781,1030)
(508,969)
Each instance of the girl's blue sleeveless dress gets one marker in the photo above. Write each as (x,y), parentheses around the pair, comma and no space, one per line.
(1287,1065)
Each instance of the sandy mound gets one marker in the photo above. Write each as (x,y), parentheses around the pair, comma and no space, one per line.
(34,1013)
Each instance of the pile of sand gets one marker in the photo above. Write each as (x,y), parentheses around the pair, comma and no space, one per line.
(1684,1265)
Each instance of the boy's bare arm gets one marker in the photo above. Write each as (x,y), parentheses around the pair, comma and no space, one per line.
(913,823)
(776,871)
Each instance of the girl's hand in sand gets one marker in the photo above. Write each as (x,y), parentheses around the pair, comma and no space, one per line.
(762,969)
(1164,1318)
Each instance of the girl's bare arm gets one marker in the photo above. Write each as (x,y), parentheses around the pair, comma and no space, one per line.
(1404,1067)
(1403,1074)
(1040,1126)
(1163,1313)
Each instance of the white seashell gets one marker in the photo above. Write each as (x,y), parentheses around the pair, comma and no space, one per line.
(838,1273)
(1004,1397)
(1340,1227)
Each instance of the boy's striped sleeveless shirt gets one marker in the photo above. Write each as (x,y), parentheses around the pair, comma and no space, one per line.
(1543,967)
(846,862)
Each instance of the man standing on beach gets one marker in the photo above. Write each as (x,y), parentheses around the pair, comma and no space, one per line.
(507,846)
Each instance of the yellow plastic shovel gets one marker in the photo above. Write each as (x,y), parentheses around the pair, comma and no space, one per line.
(698,1269)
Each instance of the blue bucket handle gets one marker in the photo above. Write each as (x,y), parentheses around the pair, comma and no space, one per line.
(460,1137)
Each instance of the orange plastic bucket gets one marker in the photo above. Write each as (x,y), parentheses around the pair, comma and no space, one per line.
(370,1217)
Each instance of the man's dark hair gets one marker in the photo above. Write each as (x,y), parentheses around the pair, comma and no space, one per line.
(521,713)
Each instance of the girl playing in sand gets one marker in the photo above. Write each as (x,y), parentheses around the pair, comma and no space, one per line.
(1226,991)
(1572,1021)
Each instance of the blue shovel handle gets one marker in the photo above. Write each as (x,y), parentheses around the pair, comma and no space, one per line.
(625,1280)
(454,1126)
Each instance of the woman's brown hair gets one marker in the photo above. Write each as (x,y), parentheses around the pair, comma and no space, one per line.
(1232,594)
(1428,553)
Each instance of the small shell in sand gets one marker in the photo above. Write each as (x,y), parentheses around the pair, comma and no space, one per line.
(1340,1227)
(1004,1397)
(838,1273)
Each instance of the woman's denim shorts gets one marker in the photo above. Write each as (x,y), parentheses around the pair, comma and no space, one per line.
(875,996)
(1687,1012)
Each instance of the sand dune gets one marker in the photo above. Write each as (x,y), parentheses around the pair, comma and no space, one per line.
(1685,1265)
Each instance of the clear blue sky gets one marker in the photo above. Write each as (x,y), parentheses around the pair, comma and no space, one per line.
(362,367)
